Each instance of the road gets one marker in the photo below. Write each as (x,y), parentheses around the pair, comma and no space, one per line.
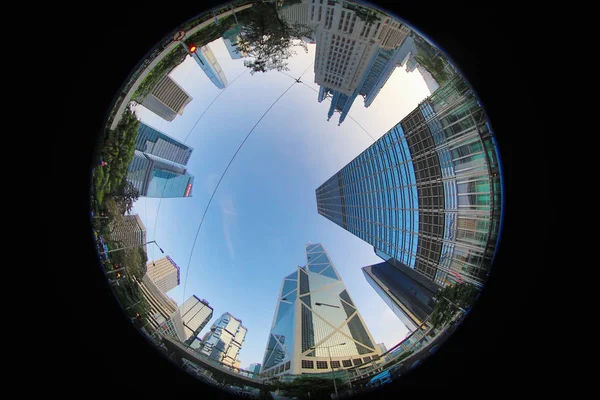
(167,50)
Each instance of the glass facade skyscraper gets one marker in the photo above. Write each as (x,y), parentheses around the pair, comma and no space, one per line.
(315,317)
(427,194)
(210,65)
(158,167)
(159,144)
(225,339)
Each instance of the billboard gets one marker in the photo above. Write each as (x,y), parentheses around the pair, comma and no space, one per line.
(188,189)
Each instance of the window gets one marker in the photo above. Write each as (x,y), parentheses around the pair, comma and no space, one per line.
(335,364)
(321,364)
(308,364)
(287,365)
(356,361)
(346,363)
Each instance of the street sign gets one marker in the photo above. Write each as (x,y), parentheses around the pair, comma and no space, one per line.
(179,35)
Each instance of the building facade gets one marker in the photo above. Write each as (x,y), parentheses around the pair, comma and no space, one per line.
(167,99)
(427,194)
(210,65)
(408,294)
(314,318)
(159,144)
(129,231)
(254,368)
(195,314)
(230,38)
(165,273)
(156,177)
(164,314)
(225,339)
(352,56)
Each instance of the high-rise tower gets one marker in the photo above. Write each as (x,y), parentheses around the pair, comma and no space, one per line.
(167,99)
(314,318)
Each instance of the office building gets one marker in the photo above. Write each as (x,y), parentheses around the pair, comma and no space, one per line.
(352,57)
(409,294)
(195,314)
(128,231)
(211,67)
(156,177)
(383,350)
(167,99)
(230,38)
(164,314)
(164,273)
(315,317)
(254,368)
(224,340)
(152,141)
(427,194)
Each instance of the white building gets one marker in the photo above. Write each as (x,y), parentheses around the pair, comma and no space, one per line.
(167,99)
(164,273)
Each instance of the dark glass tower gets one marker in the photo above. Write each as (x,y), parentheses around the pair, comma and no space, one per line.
(427,194)
(156,143)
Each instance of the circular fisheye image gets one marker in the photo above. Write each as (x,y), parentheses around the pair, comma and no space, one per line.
(297,199)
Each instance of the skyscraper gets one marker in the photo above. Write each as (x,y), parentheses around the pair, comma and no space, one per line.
(315,317)
(156,177)
(152,141)
(427,194)
(195,314)
(225,339)
(164,273)
(128,230)
(167,99)
(230,38)
(210,65)
(255,369)
(164,314)
(351,52)
(409,294)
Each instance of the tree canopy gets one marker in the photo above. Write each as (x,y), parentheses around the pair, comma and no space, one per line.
(462,295)
(269,39)
(319,388)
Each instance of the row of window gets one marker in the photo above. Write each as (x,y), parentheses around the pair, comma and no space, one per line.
(310,364)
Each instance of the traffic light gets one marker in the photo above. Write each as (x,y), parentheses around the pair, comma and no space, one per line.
(192,48)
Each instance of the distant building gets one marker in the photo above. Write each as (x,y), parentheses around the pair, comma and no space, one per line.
(152,141)
(409,294)
(383,350)
(128,231)
(164,314)
(230,38)
(296,13)
(255,369)
(316,317)
(195,314)
(164,273)
(211,67)
(167,99)
(156,177)
(225,339)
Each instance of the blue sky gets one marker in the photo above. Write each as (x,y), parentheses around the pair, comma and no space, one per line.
(264,211)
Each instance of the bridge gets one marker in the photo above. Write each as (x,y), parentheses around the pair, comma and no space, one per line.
(179,351)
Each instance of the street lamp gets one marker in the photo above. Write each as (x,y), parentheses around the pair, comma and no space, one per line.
(329,353)
(325,304)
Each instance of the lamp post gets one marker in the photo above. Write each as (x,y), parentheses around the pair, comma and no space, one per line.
(329,354)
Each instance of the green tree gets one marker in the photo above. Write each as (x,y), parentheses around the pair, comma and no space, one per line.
(319,388)
(449,299)
(269,39)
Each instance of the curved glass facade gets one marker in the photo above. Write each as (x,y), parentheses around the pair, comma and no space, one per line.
(428,192)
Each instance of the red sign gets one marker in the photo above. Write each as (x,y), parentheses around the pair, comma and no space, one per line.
(179,36)
(188,189)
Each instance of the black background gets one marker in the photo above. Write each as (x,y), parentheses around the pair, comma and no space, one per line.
(91,344)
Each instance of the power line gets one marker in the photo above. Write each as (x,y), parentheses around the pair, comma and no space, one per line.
(221,178)
(350,116)
(186,138)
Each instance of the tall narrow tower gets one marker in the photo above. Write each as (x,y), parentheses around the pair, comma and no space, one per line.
(315,318)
